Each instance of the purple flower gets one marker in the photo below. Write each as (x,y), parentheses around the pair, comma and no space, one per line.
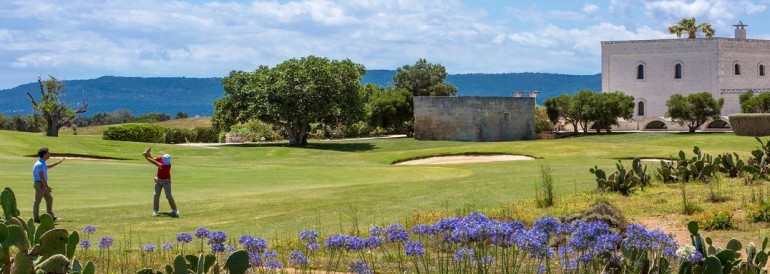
(376,231)
(89,229)
(167,246)
(464,255)
(397,233)
(273,265)
(298,258)
(255,259)
(414,248)
(373,242)
(85,244)
(308,236)
(105,242)
(148,248)
(270,254)
(251,244)
(335,241)
(359,267)
(184,238)
(313,246)
(202,233)
(218,237)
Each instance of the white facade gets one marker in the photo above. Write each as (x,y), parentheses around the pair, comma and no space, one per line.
(652,70)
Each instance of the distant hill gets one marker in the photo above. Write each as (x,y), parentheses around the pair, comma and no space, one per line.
(196,95)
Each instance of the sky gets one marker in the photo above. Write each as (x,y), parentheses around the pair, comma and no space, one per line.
(86,39)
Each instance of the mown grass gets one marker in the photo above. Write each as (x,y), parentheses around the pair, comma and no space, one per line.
(275,191)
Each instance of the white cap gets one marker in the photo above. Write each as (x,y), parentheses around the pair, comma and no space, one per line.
(166,159)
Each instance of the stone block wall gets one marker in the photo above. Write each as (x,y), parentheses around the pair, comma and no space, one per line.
(474,118)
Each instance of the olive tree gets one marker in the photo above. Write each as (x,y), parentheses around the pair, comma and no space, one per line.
(694,110)
(292,95)
(55,112)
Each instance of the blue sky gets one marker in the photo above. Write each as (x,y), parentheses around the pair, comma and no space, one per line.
(84,39)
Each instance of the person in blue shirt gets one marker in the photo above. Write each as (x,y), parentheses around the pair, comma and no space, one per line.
(42,189)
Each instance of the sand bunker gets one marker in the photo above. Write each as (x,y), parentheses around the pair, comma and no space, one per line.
(464,159)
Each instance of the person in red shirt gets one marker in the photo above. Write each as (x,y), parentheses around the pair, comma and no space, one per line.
(162,181)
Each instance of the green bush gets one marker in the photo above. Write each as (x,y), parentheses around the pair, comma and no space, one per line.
(205,135)
(718,220)
(759,212)
(147,133)
(542,123)
(754,124)
(254,131)
(180,136)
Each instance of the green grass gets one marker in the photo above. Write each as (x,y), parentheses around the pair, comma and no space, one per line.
(273,190)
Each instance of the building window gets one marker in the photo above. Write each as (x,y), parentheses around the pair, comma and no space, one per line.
(640,72)
(506,116)
(761,70)
(640,109)
(678,71)
(737,69)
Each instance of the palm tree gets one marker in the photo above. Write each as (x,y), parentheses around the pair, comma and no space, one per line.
(692,28)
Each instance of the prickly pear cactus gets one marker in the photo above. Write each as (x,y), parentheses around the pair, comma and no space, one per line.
(238,262)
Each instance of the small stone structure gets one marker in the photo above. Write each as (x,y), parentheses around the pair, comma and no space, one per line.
(474,118)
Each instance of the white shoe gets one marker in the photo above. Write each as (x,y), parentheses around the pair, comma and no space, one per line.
(154,213)
(175,213)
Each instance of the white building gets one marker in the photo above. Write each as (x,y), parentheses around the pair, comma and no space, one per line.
(652,70)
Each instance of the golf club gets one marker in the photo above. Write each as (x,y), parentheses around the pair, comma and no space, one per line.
(161,138)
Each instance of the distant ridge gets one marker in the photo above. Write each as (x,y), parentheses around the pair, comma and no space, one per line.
(196,95)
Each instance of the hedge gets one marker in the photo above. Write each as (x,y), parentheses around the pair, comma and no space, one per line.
(150,133)
(750,124)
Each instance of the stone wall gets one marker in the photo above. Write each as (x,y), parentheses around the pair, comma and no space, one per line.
(474,118)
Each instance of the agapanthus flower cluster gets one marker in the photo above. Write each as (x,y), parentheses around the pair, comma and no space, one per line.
(184,238)
(310,238)
(397,233)
(85,244)
(349,243)
(89,229)
(148,248)
(217,241)
(637,237)
(251,244)
(105,242)
(359,267)
(414,248)
(202,233)
(298,258)
(167,246)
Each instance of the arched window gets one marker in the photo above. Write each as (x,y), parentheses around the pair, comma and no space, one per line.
(678,71)
(640,72)
(640,109)
(737,69)
(761,70)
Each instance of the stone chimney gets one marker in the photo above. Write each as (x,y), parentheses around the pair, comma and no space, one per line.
(740,30)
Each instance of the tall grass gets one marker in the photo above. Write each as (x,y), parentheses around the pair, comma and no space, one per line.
(544,187)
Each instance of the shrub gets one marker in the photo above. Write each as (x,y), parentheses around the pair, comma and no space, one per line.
(756,124)
(601,211)
(205,135)
(256,130)
(718,220)
(759,212)
(147,133)
(542,123)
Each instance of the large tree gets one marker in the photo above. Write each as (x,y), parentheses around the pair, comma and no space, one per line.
(692,28)
(694,110)
(55,112)
(557,109)
(755,104)
(424,79)
(391,108)
(609,107)
(292,95)
(580,109)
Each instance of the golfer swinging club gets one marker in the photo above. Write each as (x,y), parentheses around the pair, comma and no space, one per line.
(162,181)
